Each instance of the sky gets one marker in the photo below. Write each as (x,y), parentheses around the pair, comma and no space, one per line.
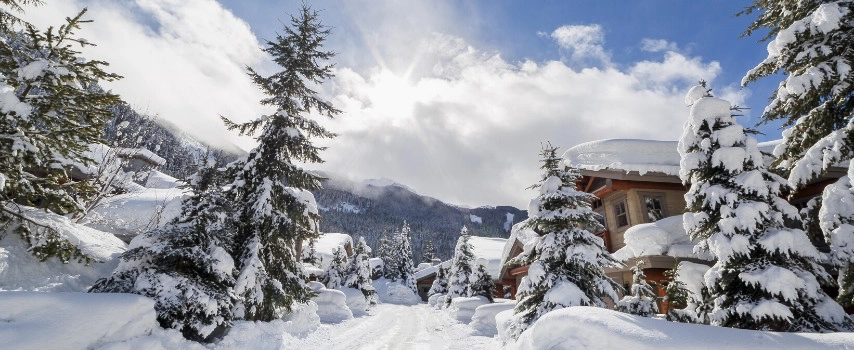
(453,98)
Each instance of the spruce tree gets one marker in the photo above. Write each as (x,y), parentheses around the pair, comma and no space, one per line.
(359,272)
(51,111)
(482,283)
(185,266)
(428,253)
(276,210)
(808,42)
(735,211)
(440,283)
(837,224)
(309,255)
(400,265)
(386,254)
(677,296)
(337,272)
(642,300)
(462,269)
(566,261)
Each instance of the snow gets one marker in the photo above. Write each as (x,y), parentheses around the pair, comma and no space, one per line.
(487,252)
(625,155)
(564,293)
(663,237)
(521,233)
(591,327)
(356,301)
(34,320)
(423,266)
(127,215)
(395,293)
(463,308)
(475,219)
(157,179)
(326,246)
(331,305)
(483,320)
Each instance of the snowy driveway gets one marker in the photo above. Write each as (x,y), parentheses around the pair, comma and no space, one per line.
(395,327)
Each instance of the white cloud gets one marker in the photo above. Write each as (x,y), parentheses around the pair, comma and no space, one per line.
(469,132)
(658,45)
(181,59)
(584,42)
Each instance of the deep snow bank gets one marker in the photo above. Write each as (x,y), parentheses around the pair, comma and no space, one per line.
(395,293)
(483,321)
(597,328)
(33,320)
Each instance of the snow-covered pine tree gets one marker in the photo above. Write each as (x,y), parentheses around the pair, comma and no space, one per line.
(428,253)
(676,295)
(400,265)
(359,272)
(837,223)
(766,276)
(276,210)
(337,272)
(566,260)
(808,41)
(51,112)
(185,266)
(386,254)
(462,268)
(440,283)
(641,301)
(309,255)
(482,283)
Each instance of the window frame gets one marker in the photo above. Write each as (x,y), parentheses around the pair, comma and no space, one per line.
(615,204)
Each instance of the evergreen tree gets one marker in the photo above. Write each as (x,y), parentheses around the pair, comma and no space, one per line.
(837,224)
(309,255)
(51,112)
(276,210)
(185,266)
(808,41)
(483,283)
(735,211)
(359,272)
(677,296)
(641,301)
(400,265)
(462,269)
(337,272)
(566,260)
(440,283)
(385,253)
(428,253)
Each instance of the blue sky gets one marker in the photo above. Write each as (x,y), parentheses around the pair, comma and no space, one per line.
(451,98)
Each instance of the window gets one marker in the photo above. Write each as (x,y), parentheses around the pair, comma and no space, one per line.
(653,206)
(620,214)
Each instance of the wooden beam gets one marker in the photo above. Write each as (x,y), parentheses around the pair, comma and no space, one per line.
(620,185)
(589,183)
(519,270)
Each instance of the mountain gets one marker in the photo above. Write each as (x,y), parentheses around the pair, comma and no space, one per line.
(371,208)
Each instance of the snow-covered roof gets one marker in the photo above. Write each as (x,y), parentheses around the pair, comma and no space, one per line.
(519,233)
(327,244)
(625,155)
(141,153)
(430,270)
(487,252)
(663,237)
(628,155)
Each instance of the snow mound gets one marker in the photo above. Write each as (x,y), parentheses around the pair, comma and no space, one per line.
(99,245)
(331,304)
(356,301)
(72,320)
(584,327)
(127,215)
(463,308)
(663,237)
(395,293)
(160,180)
(302,320)
(437,301)
(483,320)
(21,271)
(626,155)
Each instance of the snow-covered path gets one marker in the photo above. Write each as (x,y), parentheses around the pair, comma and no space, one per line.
(393,327)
